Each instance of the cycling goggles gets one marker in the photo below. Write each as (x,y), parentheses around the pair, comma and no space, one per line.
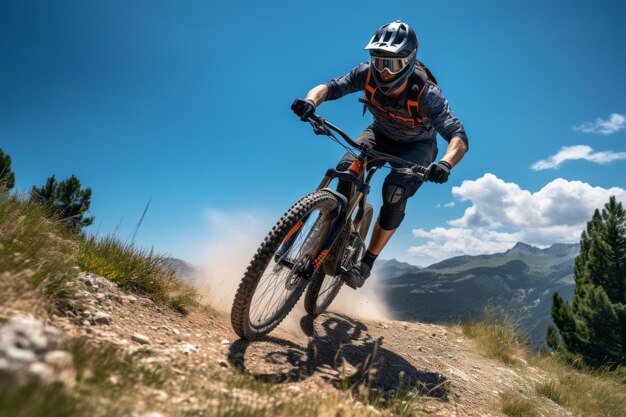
(393,65)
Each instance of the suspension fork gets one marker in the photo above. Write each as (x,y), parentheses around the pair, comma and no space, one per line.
(357,168)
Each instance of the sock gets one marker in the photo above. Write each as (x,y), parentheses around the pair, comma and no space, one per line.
(369,258)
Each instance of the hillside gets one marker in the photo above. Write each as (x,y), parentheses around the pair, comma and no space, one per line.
(520,280)
(139,342)
(207,368)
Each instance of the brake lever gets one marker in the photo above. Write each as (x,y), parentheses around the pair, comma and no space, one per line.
(319,128)
(414,171)
(406,172)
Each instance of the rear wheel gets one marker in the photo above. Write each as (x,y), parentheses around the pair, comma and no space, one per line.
(272,283)
(324,288)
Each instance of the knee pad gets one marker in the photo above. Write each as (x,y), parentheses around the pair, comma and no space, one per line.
(393,194)
(394,203)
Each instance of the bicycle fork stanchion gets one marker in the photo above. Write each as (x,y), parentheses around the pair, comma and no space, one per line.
(287,241)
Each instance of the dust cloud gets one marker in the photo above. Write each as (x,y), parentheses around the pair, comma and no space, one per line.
(234,238)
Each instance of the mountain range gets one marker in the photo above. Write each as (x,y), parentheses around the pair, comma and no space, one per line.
(520,281)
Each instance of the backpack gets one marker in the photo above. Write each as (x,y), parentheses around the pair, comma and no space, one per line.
(420,78)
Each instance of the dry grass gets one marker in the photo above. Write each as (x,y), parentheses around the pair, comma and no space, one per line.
(496,341)
(37,257)
(583,392)
(136,270)
(516,405)
(40,260)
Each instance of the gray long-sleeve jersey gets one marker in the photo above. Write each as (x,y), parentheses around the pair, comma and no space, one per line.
(432,104)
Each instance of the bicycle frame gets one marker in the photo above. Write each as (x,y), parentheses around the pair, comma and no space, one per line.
(358,174)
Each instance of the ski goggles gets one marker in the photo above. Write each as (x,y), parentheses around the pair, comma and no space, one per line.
(393,65)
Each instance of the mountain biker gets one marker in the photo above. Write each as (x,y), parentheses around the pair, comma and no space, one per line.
(409,110)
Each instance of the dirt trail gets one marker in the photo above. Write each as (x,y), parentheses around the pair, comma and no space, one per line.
(320,355)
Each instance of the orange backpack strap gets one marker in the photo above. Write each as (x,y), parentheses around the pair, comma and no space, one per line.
(417,84)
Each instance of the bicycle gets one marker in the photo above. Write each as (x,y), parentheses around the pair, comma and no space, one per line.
(312,244)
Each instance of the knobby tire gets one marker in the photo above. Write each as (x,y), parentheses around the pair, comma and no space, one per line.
(320,201)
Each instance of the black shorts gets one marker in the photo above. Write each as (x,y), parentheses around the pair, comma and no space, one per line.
(422,153)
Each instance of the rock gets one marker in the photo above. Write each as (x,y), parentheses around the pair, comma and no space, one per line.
(59,359)
(140,338)
(294,389)
(188,348)
(225,342)
(161,395)
(13,353)
(86,313)
(29,352)
(131,299)
(102,318)
(41,371)
(222,363)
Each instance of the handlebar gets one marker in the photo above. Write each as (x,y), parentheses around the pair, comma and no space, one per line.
(408,168)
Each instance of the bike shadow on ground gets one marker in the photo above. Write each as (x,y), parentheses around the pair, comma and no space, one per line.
(339,350)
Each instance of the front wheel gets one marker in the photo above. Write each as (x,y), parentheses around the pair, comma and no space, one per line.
(324,288)
(272,283)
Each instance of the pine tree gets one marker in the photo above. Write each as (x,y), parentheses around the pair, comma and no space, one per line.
(7,177)
(593,326)
(66,201)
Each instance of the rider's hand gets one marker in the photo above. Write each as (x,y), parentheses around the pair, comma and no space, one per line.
(439,172)
(303,108)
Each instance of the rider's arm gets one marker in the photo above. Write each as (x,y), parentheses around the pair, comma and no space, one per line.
(317,95)
(446,123)
(339,87)
(350,83)
(455,151)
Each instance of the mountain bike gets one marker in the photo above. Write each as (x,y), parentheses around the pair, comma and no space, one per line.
(313,243)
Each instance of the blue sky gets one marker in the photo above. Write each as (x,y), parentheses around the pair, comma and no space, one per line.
(187,104)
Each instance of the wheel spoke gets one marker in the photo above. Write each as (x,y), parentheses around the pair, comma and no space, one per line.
(275,288)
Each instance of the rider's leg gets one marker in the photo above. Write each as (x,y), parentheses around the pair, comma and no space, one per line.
(396,191)
(379,239)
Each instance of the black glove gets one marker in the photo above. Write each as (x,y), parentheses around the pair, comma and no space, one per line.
(439,172)
(303,108)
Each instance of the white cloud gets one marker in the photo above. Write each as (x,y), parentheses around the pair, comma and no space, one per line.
(448,242)
(577,152)
(446,205)
(502,213)
(615,123)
